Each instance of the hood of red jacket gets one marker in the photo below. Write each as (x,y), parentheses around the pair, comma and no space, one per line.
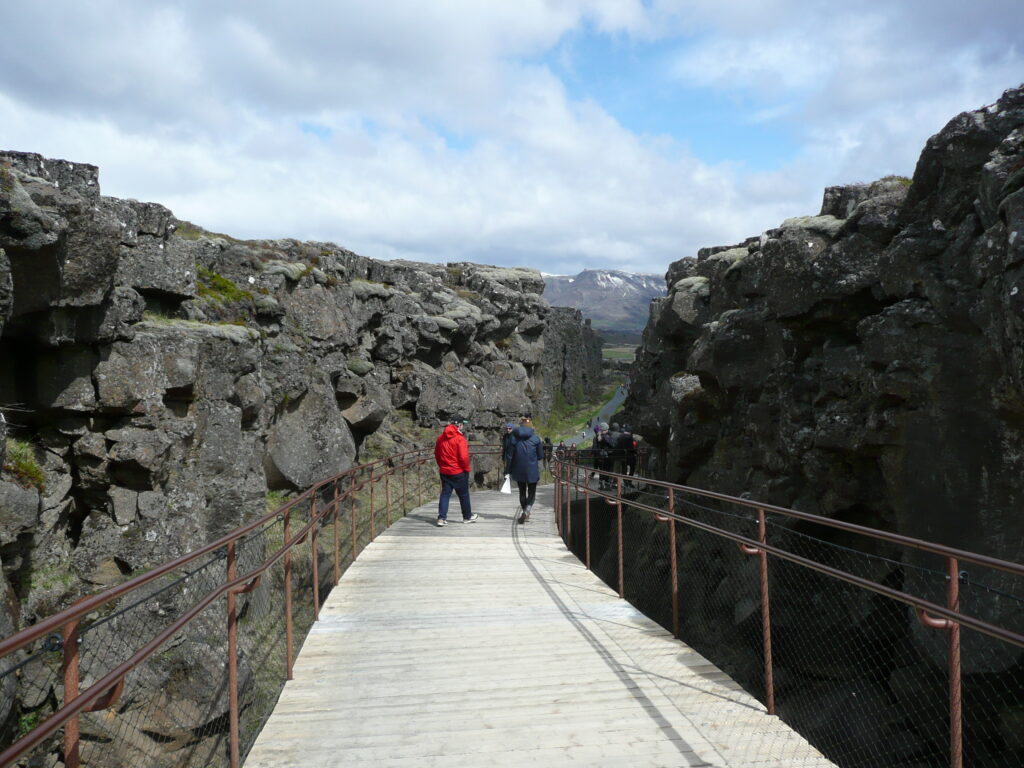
(452,430)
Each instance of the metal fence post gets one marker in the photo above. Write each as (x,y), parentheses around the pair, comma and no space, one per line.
(956,735)
(232,659)
(373,513)
(563,511)
(558,496)
(622,577)
(766,620)
(314,554)
(956,756)
(568,511)
(673,561)
(72,757)
(559,492)
(419,481)
(337,537)
(556,473)
(355,527)
(288,593)
(586,519)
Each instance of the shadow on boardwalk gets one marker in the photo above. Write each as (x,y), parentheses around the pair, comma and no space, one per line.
(490,644)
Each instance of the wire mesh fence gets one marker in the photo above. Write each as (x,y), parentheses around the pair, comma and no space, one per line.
(847,662)
(189,660)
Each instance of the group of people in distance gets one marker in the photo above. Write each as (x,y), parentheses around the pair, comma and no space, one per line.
(524,454)
(614,450)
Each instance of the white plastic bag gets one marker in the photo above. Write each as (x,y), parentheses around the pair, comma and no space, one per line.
(506,487)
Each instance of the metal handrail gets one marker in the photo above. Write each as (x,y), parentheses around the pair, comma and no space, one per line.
(894,538)
(90,604)
(106,688)
(568,470)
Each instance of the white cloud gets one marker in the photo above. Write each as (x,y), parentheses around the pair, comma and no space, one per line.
(432,131)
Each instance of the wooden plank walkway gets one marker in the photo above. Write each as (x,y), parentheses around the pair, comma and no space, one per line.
(489,644)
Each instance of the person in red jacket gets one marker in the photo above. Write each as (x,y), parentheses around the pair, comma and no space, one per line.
(451,451)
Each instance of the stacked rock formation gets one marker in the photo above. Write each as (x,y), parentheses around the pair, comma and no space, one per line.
(169,377)
(866,364)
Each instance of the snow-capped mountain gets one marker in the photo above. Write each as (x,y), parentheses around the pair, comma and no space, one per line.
(612,300)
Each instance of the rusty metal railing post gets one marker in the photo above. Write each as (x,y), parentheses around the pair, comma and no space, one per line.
(352,509)
(766,621)
(567,499)
(373,512)
(586,519)
(568,511)
(387,495)
(314,554)
(561,496)
(556,475)
(673,564)
(72,758)
(405,495)
(956,734)
(622,572)
(337,537)
(419,482)
(288,594)
(232,659)
(558,495)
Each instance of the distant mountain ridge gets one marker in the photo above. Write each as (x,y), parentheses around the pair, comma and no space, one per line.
(613,300)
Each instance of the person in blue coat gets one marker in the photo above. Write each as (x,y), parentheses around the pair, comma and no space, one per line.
(523,457)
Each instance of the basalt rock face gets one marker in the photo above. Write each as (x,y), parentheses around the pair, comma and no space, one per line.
(168,377)
(572,357)
(866,364)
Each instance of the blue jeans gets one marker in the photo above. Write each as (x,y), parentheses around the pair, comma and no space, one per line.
(460,484)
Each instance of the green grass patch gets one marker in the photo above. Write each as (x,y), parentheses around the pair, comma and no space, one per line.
(901,179)
(218,288)
(618,353)
(189,231)
(276,500)
(566,419)
(23,464)
(28,722)
(52,576)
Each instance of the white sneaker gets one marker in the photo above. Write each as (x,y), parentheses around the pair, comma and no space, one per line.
(441,522)
(471,519)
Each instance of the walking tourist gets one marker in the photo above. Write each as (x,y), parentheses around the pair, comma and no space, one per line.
(451,451)
(522,463)
(506,439)
(549,448)
(601,451)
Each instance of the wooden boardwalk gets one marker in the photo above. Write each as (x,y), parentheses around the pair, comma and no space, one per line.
(489,644)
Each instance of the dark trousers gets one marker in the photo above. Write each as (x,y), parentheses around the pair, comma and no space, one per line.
(460,484)
(527,493)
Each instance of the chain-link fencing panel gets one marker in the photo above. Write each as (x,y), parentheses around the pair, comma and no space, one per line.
(853,670)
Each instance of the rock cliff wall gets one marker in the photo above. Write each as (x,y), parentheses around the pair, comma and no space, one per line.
(167,377)
(866,363)
(572,358)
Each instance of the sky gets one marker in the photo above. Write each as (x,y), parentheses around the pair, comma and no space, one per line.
(556,134)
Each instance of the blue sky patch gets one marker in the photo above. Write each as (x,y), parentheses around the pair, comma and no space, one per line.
(633,83)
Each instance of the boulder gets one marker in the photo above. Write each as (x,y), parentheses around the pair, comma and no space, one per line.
(19,510)
(309,441)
